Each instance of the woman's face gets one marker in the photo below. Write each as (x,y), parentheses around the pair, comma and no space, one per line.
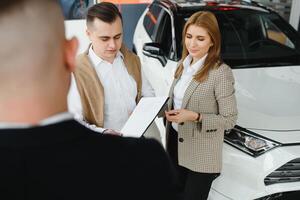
(197,41)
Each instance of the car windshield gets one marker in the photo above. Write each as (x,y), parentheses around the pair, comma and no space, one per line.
(253,38)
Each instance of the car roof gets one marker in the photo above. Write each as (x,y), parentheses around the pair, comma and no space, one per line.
(196,4)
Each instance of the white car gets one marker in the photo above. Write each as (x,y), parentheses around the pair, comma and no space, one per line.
(261,155)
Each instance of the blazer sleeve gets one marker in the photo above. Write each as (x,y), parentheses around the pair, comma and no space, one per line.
(226,100)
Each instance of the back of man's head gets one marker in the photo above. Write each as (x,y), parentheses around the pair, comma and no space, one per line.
(31,31)
(32,56)
(104,11)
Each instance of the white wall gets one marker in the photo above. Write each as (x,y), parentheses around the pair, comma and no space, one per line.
(77,28)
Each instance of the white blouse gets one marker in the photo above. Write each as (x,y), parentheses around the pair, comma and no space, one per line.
(187,75)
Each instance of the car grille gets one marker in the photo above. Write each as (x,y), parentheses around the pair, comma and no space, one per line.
(289,172)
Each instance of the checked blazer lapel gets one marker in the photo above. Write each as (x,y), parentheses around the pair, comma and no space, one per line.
(171,93)
(188,92)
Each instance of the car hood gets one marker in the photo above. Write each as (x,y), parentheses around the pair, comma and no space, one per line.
(284,137)
(268,98)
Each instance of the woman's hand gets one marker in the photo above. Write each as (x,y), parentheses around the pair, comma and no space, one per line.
(181,115)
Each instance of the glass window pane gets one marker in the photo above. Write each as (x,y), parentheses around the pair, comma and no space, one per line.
(150,19)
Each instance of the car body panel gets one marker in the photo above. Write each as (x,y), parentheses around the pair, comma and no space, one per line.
(268,98)
(234,183)
(283,137)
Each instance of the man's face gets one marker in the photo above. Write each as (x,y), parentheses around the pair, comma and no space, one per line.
(106,38)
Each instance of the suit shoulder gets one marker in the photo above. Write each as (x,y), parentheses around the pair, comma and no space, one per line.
(128,144)
(80,57)
(128,53)
(147,151)
(150,144)
(134,57)
(142,144)
(223,67)
(83,65)
(223,70)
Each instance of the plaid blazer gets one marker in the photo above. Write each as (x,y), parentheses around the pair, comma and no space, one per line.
(200,143)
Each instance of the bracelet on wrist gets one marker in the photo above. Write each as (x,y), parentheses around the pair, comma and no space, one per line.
(198,117)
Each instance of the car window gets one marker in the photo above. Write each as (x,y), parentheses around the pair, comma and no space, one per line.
(263,38)
(253,37)
(151,19)
(275,34)
(232,37)
(299,25)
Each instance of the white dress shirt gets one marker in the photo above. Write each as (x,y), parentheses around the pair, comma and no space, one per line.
(120,91)
(187,75)
(60,117)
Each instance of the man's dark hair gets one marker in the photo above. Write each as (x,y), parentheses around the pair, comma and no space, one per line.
(105,11)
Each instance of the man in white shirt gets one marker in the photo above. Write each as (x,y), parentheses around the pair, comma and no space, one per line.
(109,79)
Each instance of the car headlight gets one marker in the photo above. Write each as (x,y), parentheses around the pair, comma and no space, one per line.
(248,141)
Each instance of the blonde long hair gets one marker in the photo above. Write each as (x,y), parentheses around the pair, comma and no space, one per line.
(208,21)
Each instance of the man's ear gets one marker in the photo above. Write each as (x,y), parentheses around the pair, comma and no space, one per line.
(88,33)
(71,47)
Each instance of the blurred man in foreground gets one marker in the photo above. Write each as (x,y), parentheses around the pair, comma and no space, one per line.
(44,153)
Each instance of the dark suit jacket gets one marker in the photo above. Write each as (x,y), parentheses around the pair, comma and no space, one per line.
(68,161)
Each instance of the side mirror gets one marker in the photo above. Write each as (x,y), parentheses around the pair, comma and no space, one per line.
(153,50)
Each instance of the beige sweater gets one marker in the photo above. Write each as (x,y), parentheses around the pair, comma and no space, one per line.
(91,90)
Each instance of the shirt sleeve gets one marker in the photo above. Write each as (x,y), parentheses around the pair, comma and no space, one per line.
(147,90)
(74,102)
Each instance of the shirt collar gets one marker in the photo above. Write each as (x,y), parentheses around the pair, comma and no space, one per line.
(50,120)
(96,60)
(196,66)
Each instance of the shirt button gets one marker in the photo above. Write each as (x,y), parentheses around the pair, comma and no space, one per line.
(181,139)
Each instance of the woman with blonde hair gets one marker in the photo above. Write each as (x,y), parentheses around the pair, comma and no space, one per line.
(202,106)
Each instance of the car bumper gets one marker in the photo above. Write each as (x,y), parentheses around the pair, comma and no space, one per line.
(242,176)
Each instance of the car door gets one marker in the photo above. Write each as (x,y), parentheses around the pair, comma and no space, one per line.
(157,26)
(165,37)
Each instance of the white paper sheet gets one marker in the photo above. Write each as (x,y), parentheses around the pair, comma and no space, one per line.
(143,115)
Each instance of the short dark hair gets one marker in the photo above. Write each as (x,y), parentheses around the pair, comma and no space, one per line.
(105,11)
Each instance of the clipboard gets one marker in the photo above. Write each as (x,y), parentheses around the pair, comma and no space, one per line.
(143,116)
